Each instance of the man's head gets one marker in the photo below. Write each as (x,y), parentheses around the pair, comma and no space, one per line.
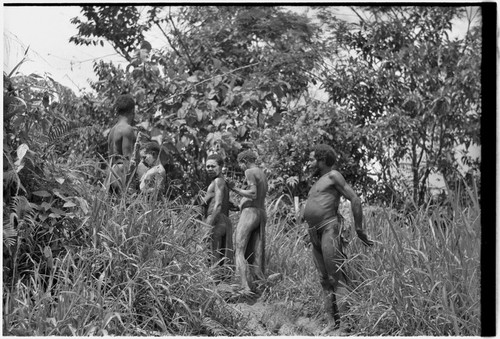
(125,106)
(150,152)
(322,155)
(144,50)
(214,165)
(245,158)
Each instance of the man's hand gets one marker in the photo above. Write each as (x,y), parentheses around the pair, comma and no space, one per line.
(210,220)
(364,238)
(233,206)
(230,184)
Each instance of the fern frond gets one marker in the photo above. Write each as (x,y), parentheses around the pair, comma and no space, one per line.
(63,130)
(9,232)
(22,209)
(12,178)
(213,327)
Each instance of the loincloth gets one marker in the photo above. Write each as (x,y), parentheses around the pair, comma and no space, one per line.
(336,224)
(251,204)
(221,219)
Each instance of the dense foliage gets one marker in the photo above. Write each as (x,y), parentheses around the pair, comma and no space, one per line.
(414,90)
(78,261)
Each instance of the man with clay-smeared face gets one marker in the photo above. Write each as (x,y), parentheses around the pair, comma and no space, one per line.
(250,232)
(217,205)
(325,225)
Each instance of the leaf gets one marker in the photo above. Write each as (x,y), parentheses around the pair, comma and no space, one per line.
(69,204)
(193,78)
(199,114)
(47,252)
(110,316)
(21,152)
(43,194)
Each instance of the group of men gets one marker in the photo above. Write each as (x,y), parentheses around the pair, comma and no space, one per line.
(248,251)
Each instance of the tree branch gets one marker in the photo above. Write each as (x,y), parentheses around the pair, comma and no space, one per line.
(177,32)
(199,83)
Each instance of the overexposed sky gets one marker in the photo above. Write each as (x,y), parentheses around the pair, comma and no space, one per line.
(47,30)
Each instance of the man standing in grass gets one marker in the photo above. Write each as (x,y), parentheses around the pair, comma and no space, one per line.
(250,232)
(217,211)
(121,141)
(153,181)
(325,226)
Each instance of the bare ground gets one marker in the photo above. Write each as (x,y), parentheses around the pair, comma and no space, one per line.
(263,318)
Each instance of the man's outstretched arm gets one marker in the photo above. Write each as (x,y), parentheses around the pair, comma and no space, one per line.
(357,211)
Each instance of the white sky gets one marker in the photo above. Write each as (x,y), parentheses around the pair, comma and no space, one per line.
(47,30)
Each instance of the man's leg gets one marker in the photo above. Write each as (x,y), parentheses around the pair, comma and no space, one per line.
(228,243)
(116,178)
(218,232)
(259,247)
(326,285)
(249,220)
(333,259)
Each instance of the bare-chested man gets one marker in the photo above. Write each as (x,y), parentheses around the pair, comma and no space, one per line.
(217,211)
(121,141)
(325,228)
(250,232)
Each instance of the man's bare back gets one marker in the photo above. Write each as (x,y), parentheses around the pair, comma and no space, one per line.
(250,232)
(217,212)
(255,176)
(121,140)
(220,184)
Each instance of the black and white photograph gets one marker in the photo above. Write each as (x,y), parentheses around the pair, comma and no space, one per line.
(248,169)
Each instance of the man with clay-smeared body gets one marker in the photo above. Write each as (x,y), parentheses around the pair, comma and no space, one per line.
(250,232)
(217,205)
(325,225)
(121,141)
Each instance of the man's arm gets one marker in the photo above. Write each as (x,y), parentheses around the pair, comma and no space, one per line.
(153,179)
(341,186)
(218,193)
(128,142)
(250,193)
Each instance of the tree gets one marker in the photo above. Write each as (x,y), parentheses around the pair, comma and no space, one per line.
(414,90)
(226,71)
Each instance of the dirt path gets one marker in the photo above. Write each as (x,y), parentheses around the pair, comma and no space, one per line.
(279,318)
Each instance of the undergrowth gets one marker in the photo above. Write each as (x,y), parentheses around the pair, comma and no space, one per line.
(144,270)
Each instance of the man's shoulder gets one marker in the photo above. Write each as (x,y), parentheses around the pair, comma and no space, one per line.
(255,171)
(335,176)
(219,181)
(122,129)
(158,169)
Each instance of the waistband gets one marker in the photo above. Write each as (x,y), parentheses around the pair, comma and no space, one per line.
(326,222)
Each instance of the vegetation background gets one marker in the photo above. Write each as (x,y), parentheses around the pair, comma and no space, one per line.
(402,96)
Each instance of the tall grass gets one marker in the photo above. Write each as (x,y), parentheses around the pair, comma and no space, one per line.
(422,278)
(145,271)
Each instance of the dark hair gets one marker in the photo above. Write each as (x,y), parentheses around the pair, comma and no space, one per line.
(217,159)
(247,156)
(124,104)
(152,148)
(326,153)
(146,45)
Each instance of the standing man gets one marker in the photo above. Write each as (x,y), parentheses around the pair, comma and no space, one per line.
(216,202)
(154,178)
(121,141)
(325,228)
(250,232)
